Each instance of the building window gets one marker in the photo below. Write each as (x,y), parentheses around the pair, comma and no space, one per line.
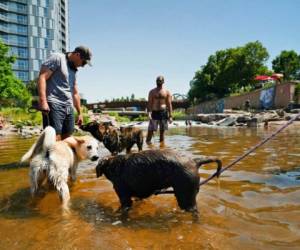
(22,64)
(22,75)
(19,52)
(21,19)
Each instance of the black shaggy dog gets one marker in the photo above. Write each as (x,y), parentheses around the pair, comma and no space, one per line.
(115,139)
(145,173)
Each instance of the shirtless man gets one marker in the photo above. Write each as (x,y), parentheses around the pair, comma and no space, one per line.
(159,109)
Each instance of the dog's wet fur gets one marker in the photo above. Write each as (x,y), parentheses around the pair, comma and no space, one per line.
(56,161)
(115,139)
(144,173)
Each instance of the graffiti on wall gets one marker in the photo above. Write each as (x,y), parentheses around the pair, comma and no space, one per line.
(267,98)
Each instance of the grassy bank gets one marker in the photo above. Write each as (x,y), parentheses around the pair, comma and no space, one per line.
(21,117)
(177,115)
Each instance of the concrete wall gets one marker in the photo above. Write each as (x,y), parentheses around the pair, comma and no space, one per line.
(284,94)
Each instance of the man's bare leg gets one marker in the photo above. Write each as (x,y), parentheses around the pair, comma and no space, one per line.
(161,136)
(149,136)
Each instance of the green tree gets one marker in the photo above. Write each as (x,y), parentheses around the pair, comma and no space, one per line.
(287,63)
(132,98)
(12,91)
(227,71)
(32,88)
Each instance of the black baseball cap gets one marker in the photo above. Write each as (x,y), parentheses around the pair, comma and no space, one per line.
(85,53)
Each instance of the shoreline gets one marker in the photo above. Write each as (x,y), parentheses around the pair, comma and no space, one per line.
(10,130)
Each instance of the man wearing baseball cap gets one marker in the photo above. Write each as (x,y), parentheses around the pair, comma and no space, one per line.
(58,90)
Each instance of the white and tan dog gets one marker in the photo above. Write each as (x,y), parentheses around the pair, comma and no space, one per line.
(56,160)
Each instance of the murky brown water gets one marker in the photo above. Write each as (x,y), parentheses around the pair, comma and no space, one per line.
(254,205)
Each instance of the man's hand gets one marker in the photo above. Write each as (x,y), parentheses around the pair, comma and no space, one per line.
(170,119)
(79,120)
(43,106)
(149,116)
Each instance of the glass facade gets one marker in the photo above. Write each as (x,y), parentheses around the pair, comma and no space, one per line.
(33,29)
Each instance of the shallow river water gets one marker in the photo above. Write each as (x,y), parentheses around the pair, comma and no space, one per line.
(253,205)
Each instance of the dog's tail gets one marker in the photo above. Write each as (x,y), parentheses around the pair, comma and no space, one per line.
(205,160)
(45,141)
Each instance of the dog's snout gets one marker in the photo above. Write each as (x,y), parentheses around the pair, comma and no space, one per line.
(95,158)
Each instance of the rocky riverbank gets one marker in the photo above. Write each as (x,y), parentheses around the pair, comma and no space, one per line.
(226,119)
(242,118)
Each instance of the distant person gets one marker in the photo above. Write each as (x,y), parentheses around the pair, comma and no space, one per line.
(159,109)
(58,90)
(188,123)
(247,105)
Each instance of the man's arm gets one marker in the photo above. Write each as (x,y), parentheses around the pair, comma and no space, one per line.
(76,101)
(150,104)
(45,74)
(169,105)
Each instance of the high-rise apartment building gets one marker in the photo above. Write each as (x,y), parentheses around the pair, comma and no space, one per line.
(33,29)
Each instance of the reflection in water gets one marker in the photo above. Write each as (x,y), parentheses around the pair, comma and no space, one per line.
(254,205)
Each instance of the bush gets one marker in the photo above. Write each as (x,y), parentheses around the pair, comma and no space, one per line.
(119,118)
(141,118)
(21,117)
(178,115)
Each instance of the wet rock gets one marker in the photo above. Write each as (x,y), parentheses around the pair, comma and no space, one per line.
(291,116)
(295,111)
(116,223)
(206,118)
(228,121)
(252,123)
(243,119)
(280,112)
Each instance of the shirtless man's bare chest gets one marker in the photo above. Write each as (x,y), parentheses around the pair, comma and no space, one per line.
(160,98)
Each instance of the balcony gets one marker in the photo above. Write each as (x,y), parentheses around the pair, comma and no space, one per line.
(10,30)
(12,19)
(3,18)
(3,28)
(3,6)
(14,42)
(14,8)
(20,1)
(17,10)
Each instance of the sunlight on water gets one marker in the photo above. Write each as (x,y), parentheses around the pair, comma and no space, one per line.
(254,205)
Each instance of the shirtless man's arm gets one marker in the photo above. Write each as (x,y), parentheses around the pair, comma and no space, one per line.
(169,106)
(150,104)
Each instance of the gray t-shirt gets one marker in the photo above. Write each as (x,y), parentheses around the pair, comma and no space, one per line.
(60,86)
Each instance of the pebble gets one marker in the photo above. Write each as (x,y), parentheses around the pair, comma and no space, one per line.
(117,223)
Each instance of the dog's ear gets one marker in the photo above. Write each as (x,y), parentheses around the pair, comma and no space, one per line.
(79,140)
(71,141)
(101,129)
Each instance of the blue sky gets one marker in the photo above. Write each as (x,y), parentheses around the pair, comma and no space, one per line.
(133,41)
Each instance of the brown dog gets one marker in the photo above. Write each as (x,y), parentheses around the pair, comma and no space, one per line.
(130,136)
(115,139)
(145,173)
